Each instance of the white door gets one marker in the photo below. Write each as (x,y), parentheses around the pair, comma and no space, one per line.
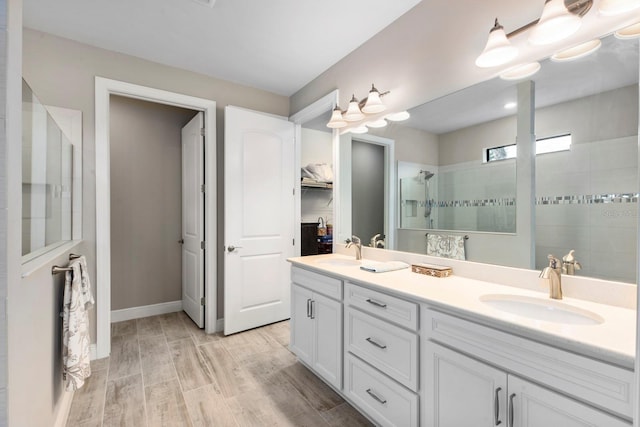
(259,215)
(193,219)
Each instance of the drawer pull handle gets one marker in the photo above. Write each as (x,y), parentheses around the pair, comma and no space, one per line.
(377,344)
(511,409)
(313,309)
(376,397)
(496,407)
(308,307)
(376,303)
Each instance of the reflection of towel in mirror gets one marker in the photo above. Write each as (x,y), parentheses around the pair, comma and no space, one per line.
(320,172)
(446,246)
(75,327)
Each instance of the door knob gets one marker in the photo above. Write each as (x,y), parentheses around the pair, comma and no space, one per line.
(232,248)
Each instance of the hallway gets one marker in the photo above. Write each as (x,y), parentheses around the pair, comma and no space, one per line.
(164,371)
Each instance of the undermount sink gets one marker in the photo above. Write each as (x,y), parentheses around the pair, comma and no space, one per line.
(547,310)
(338,261)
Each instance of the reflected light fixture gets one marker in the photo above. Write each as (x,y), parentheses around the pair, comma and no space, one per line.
(398,117)
(510,105)
(630,32)
(521,71)
(617,7)
(359,129)
(555,24)
(380,123)
(336,121)
(576,52)
(498,50)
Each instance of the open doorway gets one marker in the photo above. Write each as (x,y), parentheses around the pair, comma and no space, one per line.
(154,263)
(105,88)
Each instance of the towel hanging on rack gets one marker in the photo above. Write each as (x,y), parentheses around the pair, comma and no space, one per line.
(446,245)
(75,327)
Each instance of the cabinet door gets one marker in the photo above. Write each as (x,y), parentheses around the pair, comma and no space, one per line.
(327,318)
(534,406)
(302,334)
(462,392)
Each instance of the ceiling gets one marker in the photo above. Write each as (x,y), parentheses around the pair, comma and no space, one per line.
(261,44)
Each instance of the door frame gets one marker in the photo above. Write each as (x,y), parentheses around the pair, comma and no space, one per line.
(103,89)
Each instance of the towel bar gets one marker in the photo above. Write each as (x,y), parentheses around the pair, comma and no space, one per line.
(74,256)
(57,269)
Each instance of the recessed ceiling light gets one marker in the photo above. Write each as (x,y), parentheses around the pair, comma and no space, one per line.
(577,52)
(510,105)
(521,71)
(630,32)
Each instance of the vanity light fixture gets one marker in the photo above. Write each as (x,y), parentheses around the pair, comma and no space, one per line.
(358,110)
(498,50)
(521,71)
(560,19)
(630,32)
(555,24)
(359,129)
(617,7)
(576,52)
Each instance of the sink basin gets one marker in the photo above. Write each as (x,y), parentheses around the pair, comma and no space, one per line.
(338,261)
(547,310)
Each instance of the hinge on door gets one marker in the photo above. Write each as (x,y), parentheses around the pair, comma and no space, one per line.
(203,245)
(203,188)
(201,131)
(202,301)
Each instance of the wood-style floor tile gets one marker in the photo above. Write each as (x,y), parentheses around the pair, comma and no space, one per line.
(199,335)
(166,406)
(229,375)
(125,356)
(190,367)
(125,402)
(278,331)
(265,365)
(173,327)
(128,327)
(245,345)
(345,415)
(149,326)
(88,402)
(207,407)
(157,365)
(315,391)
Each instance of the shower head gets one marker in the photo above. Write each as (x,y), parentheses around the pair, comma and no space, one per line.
(427,174)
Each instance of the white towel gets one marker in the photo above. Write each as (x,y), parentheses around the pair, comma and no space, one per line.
(75,327)
(381,267)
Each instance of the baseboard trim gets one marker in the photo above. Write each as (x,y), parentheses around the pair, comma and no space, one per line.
(145,311)
(64,408)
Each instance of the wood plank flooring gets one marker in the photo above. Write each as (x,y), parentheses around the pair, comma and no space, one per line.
(164,371)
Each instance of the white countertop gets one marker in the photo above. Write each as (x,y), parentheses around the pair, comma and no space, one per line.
(612,341)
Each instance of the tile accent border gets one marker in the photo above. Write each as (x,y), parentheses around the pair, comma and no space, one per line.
(588,199)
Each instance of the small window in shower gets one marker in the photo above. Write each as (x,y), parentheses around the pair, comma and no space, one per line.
(551,144)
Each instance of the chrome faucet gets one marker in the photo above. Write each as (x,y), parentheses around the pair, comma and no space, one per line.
(355,242)
(553,273)
(570,264)
(377,241)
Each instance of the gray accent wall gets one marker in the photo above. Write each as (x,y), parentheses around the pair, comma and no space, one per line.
(145,202)
(62,72)
(367,190)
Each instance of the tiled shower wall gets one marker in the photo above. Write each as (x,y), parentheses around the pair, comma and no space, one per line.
(587,200)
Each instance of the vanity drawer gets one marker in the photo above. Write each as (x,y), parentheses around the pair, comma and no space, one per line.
(319,283)
(600,384)
(386,402)
(387,347)
(393,309)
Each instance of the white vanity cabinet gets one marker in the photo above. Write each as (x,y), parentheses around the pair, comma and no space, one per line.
(381,361)
(473,376)
(316,323)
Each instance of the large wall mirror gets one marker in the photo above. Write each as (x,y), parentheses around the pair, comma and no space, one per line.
(459,167)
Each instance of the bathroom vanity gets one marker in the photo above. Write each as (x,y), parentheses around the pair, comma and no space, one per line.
(411,350)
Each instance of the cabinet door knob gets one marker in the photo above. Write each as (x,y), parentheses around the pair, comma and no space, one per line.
(511,409)
(496,407)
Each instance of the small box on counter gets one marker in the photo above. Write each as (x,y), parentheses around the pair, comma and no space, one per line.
(432,270)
